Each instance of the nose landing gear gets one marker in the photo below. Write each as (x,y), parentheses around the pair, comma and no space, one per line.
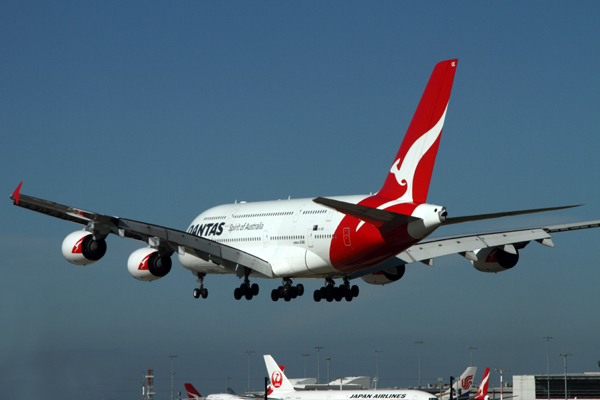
(202,291)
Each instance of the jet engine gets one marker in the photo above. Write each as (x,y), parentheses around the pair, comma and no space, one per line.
(80,248)
(385,276)
(148,264)
(495,259)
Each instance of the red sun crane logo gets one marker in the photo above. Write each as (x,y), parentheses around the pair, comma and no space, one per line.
(276,379)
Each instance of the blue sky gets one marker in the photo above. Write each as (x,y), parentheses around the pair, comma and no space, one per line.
(155,111)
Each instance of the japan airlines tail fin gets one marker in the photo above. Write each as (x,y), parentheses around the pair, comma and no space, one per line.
(483,386)
(410,174)
(279,382)
(192,392)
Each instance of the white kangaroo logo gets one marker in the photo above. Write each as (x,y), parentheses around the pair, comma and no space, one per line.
(406,173)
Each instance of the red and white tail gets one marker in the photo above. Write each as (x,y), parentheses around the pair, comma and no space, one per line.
(192,392)
(279,382)
(410,174)
(483,386)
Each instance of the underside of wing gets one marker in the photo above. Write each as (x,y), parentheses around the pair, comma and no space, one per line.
(488,252)
(170,240)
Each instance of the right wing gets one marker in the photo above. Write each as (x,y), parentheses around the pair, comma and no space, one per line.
(465,245)
(154,235)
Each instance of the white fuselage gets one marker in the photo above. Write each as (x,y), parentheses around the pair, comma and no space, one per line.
(395,394)
(294,236)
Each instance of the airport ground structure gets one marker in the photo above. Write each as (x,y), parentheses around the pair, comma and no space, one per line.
(523,387)
(578,386)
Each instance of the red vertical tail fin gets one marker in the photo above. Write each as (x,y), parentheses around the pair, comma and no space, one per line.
(410,174)
(192,392)
(483,386)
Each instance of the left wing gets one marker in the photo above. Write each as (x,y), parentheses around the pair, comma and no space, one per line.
(101,225)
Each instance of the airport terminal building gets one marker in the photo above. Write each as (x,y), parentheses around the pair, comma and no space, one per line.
(535,387)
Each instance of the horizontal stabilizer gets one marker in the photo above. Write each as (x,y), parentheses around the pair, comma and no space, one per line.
(480,217)
(373,216)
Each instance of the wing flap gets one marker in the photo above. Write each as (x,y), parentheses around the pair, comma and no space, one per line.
(463,244)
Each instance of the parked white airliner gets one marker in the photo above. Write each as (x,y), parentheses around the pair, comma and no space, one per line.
(281,388)
(367,236)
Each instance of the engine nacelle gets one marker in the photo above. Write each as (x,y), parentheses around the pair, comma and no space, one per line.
(385,276)
(80,248)
(494,259)
(148,264)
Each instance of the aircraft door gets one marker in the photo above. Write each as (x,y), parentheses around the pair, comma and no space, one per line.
(309,238)
(265,238)
(298,212)
(347,242)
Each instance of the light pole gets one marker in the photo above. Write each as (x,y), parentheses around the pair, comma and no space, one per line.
(249,352)
(471,348)
(172,375)
(227,383)
(501,384)
(305,355)
(548,361)
(377,367)
(328,359)
(318,348)
(565,355)
(419,343)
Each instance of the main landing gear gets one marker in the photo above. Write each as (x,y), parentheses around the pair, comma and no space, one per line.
(202,291)
(330,292)
(246,290)
(287,291)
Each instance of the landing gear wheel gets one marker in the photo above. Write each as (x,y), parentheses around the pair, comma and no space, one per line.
(254,289)
(354,291)
(248,295)
(337,294)
(300,288)
(317,295)
(201,291)
(349,297)
(237,293)
(275,295)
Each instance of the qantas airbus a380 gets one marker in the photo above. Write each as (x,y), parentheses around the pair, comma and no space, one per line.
(368,236)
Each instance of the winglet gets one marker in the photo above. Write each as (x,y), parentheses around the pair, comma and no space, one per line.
(15,195)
